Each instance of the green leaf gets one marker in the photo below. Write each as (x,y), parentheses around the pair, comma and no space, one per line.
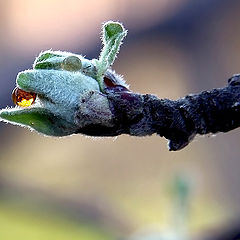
(111,29)
(112,36)
(38,119)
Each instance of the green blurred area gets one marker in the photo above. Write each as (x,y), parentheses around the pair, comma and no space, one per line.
(18,223)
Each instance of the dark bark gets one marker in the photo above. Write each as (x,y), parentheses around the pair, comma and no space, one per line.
(213,111)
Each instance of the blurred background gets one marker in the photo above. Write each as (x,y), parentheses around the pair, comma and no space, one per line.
(124,188)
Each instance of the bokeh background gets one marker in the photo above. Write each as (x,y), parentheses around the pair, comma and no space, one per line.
(124,188)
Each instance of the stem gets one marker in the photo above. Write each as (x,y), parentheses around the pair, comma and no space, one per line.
(217,110)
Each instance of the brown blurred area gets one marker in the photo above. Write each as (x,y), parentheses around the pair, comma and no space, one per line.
(126,186)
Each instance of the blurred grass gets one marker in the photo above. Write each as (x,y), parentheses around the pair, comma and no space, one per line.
(18,223)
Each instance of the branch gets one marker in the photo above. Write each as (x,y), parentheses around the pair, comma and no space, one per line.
(213,111)
(66,93)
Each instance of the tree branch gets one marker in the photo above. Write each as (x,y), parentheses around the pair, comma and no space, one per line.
(213,111)
(78,95)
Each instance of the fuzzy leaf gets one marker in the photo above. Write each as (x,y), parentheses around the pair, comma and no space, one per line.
(38,119)
(112,36)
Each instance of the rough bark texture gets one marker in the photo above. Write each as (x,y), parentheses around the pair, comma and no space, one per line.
(213,111)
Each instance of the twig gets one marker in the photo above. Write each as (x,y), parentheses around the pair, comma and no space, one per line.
(213,111)
(77,95)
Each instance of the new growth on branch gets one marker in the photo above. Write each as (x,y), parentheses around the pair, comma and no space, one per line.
(65,93)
